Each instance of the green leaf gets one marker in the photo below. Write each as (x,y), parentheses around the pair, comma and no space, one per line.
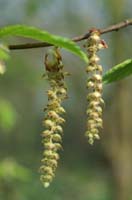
(118,72)
(8,115)
(41,35)
(3,54)
(11,170)
(2,67)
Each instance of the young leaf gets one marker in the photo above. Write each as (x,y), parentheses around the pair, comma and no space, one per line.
(41,35)
(118,72)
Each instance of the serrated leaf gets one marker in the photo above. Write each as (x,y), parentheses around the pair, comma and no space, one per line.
(118,72)
(41,35)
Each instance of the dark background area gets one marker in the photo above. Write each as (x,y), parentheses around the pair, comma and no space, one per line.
(99,172)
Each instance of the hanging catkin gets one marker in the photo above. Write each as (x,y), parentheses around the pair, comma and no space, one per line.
(94,86)
(52,135)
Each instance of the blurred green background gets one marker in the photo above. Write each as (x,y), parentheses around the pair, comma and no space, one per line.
(99,172)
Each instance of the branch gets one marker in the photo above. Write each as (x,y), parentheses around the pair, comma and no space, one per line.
(115,27)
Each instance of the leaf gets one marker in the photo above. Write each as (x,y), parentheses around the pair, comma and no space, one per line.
(118,72)
(41,35)
(2,67)
(11,170)
(8,115)
(3,54)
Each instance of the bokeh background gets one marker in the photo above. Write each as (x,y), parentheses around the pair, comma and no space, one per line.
(99,172)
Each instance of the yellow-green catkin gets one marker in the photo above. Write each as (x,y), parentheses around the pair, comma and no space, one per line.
(94,86)
(52,135)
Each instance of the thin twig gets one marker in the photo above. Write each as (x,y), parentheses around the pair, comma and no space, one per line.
(115,27)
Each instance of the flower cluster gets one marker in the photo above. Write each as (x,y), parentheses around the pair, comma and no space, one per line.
(52,135)
(94,86)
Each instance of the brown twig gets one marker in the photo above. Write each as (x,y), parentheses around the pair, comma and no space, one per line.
(115,27)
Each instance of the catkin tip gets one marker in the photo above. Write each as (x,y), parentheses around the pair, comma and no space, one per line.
(46,184)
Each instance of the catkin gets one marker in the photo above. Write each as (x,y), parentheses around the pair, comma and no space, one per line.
(52,135)
(94,86)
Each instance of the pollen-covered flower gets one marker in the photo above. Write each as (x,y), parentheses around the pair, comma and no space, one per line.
(52,135)
(94,86)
